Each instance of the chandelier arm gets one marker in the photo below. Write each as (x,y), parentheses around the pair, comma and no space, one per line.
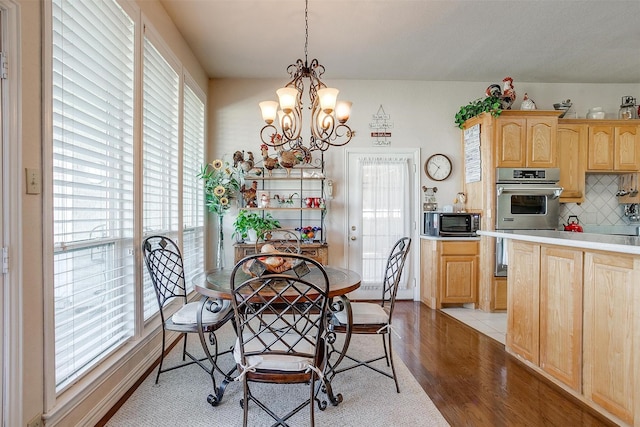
(266,134)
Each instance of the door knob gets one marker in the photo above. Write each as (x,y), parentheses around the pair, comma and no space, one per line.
(353,237)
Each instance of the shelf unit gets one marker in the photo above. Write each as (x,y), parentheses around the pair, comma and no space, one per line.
(296,197)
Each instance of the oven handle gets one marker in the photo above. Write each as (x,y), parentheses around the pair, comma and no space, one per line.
(546,190)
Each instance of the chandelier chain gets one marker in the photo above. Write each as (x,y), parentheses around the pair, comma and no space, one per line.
(306,30)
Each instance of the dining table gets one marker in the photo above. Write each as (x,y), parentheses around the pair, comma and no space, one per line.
(216,284)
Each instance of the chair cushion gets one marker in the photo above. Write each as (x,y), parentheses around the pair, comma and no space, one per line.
(275,362)
(364,313)
(188,313)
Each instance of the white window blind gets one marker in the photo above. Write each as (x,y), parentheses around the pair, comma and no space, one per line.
(385,208)
(93,61)
(160,144)
(192,194)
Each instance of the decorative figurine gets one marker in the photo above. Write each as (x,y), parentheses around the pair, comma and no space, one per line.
(269,163)
(527,103)
(507,94)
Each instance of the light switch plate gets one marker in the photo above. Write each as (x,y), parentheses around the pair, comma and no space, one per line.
(34,184)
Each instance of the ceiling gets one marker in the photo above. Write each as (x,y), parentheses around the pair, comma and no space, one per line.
(544,41)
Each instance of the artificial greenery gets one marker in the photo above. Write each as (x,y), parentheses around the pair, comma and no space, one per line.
(489,104)
(246,221)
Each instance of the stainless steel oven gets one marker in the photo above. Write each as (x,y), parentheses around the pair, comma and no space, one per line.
(526,199)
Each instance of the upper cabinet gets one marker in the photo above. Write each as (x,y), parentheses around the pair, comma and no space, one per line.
(572,161)
(613,148)
(526,141)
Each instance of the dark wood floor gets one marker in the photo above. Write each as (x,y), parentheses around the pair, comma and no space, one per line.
(473,381)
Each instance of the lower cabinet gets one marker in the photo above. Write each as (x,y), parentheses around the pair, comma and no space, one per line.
(316,251)
(574,316)
(449,272)
(612,334)
(544,314)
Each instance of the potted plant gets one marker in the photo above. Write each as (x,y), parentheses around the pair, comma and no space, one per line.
(489,104)
(249,225)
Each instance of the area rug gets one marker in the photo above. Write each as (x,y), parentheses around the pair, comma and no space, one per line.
(369,399)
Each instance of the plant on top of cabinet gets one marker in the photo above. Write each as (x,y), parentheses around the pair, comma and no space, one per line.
(246,221)
(489,104)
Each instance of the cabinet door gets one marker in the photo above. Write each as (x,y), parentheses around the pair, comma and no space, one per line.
(458,278)
(541,142)
(601,148)
(572,160)
(611,331)
(627,148)
(561,314)
(523,298)
(459,269)
(511,137)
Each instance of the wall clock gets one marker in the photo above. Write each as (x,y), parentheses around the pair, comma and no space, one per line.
(438,167)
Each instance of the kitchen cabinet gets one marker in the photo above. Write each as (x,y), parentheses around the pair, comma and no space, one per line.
(612,333)
(449,273)
(613,148)
(572,160)
(514,139)
(544,314)
(526,142)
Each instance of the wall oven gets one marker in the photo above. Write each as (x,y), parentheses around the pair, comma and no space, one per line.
(526,199)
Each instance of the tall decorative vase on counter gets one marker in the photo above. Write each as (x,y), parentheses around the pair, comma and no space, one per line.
(220,245)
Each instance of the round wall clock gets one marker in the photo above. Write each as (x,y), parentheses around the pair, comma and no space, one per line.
(438,167)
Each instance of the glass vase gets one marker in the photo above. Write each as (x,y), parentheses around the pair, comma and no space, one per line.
(220,244)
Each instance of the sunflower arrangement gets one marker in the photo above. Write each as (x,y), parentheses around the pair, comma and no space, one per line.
(221,185)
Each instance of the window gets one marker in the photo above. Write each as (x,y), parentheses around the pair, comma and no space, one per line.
(192,198)
(160,114)
(93,60)
(385,208)
(110,176)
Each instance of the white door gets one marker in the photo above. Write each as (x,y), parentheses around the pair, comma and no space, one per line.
(380,204)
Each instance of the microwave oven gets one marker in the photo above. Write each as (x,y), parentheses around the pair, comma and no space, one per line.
(449,224)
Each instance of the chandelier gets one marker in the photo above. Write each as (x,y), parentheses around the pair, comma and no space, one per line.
(328,117)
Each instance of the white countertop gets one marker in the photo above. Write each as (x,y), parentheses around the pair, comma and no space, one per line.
(601,242)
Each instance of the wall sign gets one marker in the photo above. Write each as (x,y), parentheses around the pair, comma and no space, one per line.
(381,128)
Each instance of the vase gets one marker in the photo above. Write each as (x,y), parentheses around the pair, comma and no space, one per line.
(220,249)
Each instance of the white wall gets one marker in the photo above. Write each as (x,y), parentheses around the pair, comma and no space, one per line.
(422,114)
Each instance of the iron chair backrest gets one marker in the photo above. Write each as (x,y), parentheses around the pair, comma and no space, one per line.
(164,263)
(283,240)
(393,271)
(281,313)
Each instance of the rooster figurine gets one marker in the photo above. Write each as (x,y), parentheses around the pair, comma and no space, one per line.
(249,194)
(269,163)
(238,157)
(247,165)
(507,93)
(287,159)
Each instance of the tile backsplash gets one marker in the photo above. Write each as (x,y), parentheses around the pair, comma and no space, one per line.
(600,207)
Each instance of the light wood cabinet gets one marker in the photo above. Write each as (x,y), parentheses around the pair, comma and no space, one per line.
(572,161)
(613,148)
(449,272)
(612,333)
(561,314)
(523,301)
(317,251)
(526,142)
(458,272)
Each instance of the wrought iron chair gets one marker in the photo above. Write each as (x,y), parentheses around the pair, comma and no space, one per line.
(373,318)
(281,323)
(164,264)
(283,240)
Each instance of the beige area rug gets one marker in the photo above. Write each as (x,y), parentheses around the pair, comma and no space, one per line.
(370,399)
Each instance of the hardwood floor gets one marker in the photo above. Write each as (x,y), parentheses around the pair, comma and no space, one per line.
(473,381)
